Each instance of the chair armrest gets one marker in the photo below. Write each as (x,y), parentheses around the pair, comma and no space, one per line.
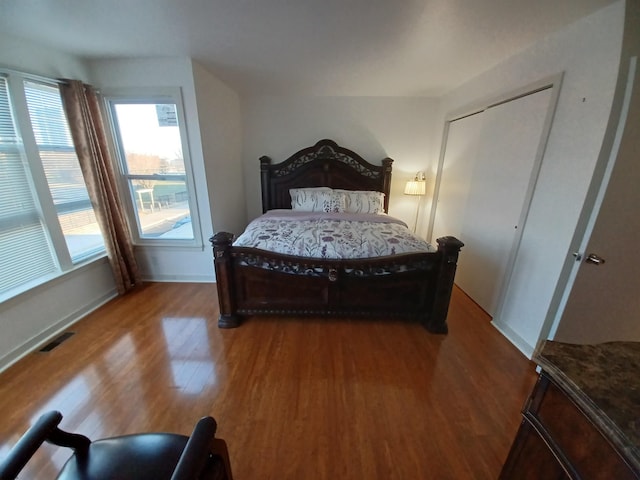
(196,452)
(28,444)
(79,443)
(218,448)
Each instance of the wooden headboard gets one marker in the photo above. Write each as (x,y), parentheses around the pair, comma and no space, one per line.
(326,164)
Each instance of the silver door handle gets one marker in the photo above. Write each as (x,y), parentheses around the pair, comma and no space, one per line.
(594,259)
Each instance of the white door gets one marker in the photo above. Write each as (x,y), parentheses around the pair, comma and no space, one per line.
(485,189)
(604,301)
(456,175)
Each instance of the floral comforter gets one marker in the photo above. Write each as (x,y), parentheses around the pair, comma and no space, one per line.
(330,235)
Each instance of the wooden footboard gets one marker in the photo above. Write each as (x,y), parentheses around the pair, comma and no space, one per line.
(256,282)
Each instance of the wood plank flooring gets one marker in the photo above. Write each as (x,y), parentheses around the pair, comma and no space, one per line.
(294,399)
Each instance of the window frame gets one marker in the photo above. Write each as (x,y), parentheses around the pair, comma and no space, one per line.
(152,96)
(45,208)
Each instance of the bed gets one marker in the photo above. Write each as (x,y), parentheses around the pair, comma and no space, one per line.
(414,285)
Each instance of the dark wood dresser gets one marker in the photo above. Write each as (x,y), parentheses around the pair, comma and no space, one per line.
(582,420)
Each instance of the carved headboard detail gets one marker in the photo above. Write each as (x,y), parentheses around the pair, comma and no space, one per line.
(326,164)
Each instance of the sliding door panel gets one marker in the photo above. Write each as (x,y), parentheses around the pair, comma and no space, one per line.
(486,200)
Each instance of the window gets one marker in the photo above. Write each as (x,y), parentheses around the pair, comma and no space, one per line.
(155,167)
(47,223)
(62,170)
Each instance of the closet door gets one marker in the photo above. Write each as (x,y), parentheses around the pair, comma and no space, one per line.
(487,200)
(456,176)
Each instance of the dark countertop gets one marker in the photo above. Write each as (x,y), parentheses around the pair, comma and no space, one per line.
(604,380)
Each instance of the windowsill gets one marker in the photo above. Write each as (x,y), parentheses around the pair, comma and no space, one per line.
(19,295)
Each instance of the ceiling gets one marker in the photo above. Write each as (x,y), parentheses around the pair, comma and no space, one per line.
(303,47)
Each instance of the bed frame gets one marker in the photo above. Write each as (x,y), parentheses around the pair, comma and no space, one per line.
(255,282)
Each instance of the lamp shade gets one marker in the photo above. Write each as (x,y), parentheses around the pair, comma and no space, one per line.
(415,187)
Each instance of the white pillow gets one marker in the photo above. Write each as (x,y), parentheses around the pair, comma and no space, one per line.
(303,199)
(360,201)
(317,199)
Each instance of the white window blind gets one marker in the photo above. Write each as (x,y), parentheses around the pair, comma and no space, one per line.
(25,251)
(62,170)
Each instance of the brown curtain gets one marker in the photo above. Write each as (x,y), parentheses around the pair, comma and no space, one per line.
(82,106)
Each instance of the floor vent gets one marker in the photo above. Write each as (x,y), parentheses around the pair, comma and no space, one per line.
(54,343)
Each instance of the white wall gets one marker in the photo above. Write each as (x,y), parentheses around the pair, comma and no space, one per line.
(171,263)
(23,56)
(221,138)
(30,319)
(374,127)
(588,53)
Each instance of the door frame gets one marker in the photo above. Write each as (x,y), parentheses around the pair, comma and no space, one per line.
(593,201)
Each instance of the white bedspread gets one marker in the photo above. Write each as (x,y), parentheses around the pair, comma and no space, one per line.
(330,235)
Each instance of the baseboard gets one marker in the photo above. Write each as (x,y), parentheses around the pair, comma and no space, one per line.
(179,278)
(522,345)
(53,331)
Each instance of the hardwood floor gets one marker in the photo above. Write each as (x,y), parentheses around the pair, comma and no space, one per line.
(294,399)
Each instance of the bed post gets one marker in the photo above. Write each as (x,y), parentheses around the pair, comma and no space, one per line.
(449,247)
(386,181)
(221,242)
(265,184)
